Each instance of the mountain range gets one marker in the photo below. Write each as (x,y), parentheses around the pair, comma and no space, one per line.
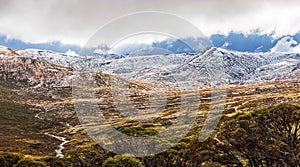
(237,67)
(39,122)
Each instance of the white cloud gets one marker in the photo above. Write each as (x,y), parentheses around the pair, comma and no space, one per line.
(286,44)
(100,51)
(71,53)
(75,21)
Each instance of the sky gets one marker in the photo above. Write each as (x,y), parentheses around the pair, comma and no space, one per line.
(74,22)
(62,26)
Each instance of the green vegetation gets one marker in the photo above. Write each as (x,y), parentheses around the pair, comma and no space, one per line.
(93,155)
(8,91)
(122,161)
(9,159)
(30,162)
(251,132)
(22,130)
(139,131)
(54,161)
(266,137)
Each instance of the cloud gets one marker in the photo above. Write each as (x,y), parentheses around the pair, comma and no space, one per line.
(71,53)
(73,22)
(286,44)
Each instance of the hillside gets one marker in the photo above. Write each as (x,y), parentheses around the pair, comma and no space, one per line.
(38,117)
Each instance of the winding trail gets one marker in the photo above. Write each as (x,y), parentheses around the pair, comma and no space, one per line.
(64,141)
(61,146)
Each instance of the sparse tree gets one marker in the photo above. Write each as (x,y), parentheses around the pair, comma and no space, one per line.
(266,137)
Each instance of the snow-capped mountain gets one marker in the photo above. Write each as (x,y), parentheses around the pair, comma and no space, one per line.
(132,67)
(244,67)
(78,62)
(33,71)
(234,67)
(49,56)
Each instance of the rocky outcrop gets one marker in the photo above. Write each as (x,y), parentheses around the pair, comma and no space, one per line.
(32,71)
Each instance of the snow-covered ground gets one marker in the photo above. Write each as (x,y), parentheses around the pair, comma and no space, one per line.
(214,63)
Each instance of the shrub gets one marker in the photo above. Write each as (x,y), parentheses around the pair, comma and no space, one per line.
(139,131)
(229,111)
(89,156)
(122,161)
(259,135)
(9,158)
(30,162)
(3,161)
(54,162)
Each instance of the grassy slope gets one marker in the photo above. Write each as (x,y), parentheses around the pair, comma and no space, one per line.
(20,130)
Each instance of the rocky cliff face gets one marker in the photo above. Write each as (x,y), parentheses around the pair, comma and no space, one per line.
(32,71)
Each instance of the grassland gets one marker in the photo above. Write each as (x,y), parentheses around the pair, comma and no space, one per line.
(22,132)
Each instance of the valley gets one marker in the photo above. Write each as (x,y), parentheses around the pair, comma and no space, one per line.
(39,122)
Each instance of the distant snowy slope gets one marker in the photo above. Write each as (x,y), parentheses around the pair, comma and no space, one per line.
(74,61)
(244,67)
(238,67)
(49,56)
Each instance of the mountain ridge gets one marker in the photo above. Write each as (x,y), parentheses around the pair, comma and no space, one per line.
(238,67)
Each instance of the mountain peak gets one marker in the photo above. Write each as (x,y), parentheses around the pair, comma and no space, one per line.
(16,67)
(5,51)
